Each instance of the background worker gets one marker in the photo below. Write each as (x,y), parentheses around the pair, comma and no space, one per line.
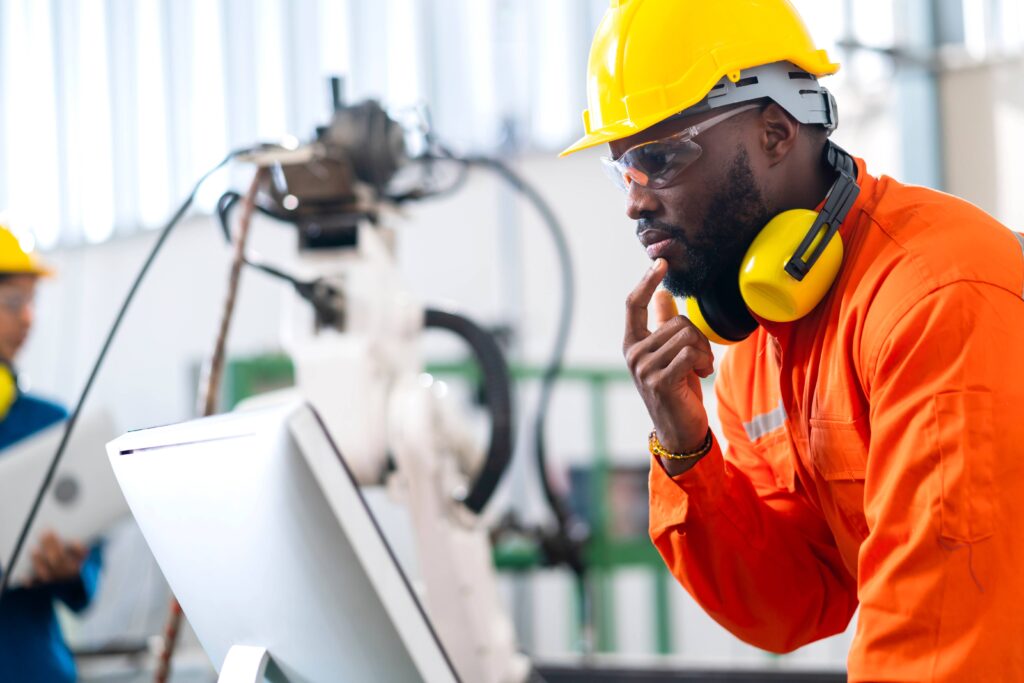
(32,647)
(871,399)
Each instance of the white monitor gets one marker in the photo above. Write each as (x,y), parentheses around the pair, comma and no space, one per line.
(268,544)
(83,501)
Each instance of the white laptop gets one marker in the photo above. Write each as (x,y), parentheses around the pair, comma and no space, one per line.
(268,544)
(83,501)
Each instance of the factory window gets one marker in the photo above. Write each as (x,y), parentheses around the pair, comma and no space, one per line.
(110,111)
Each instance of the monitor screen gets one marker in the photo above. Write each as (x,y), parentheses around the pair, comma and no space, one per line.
(265,539)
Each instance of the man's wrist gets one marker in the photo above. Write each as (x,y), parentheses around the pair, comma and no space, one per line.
(696,452)
(676,464)
(676,468)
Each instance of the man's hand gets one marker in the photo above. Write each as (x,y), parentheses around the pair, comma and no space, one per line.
(55,560)
(667,366)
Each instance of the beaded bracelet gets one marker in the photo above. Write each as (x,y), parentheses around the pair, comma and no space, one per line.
(658,450)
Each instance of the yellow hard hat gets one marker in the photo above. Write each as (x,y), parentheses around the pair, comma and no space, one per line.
(652,59)
(15,260)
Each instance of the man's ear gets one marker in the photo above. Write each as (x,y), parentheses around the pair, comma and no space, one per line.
(779,133)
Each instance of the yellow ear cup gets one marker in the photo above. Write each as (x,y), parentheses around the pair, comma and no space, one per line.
(768,290)
(696,317)
(8,389)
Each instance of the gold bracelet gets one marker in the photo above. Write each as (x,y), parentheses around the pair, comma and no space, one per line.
(659,451)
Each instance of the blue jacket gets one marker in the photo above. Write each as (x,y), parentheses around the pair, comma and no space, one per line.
(32,647)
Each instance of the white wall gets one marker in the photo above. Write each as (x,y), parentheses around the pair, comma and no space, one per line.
(983,120)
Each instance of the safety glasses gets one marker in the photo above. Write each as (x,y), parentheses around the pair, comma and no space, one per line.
(659,163)
(14,301)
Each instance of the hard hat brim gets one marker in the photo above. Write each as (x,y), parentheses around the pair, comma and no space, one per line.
(36,269)
(593,140)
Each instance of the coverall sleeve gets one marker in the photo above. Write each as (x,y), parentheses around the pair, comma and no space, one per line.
(748,547)
(941,585)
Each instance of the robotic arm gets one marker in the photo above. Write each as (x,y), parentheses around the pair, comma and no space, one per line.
(357,360)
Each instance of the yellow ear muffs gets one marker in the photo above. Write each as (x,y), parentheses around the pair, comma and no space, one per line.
(8,389)
(788,268)
(769,291)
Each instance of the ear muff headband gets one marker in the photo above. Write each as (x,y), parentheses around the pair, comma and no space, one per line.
(838,202)
(788,268)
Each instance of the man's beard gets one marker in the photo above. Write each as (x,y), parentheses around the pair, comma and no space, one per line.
(736,213)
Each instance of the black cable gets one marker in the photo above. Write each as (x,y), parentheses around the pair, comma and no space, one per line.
(434,191)
(497,389)
(225,204)
(165,232)
(319,293)
(567,546)
(496,382)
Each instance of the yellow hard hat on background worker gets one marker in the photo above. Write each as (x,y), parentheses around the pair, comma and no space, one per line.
(654,59)
(14,260)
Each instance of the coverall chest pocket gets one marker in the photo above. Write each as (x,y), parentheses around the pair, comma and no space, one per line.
(838,454)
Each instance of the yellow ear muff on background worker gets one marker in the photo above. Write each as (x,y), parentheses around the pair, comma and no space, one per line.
(791,264)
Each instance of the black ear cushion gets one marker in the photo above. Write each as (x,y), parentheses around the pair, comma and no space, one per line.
(724,310)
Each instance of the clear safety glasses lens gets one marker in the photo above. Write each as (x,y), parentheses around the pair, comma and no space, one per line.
(658,163)
(15,302)
(654,164)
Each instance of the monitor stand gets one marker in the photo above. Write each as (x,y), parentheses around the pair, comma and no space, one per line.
(244,664)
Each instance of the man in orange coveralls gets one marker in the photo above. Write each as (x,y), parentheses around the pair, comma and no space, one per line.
(872,402)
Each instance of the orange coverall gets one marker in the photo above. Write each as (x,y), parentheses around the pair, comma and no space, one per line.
(875,456)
